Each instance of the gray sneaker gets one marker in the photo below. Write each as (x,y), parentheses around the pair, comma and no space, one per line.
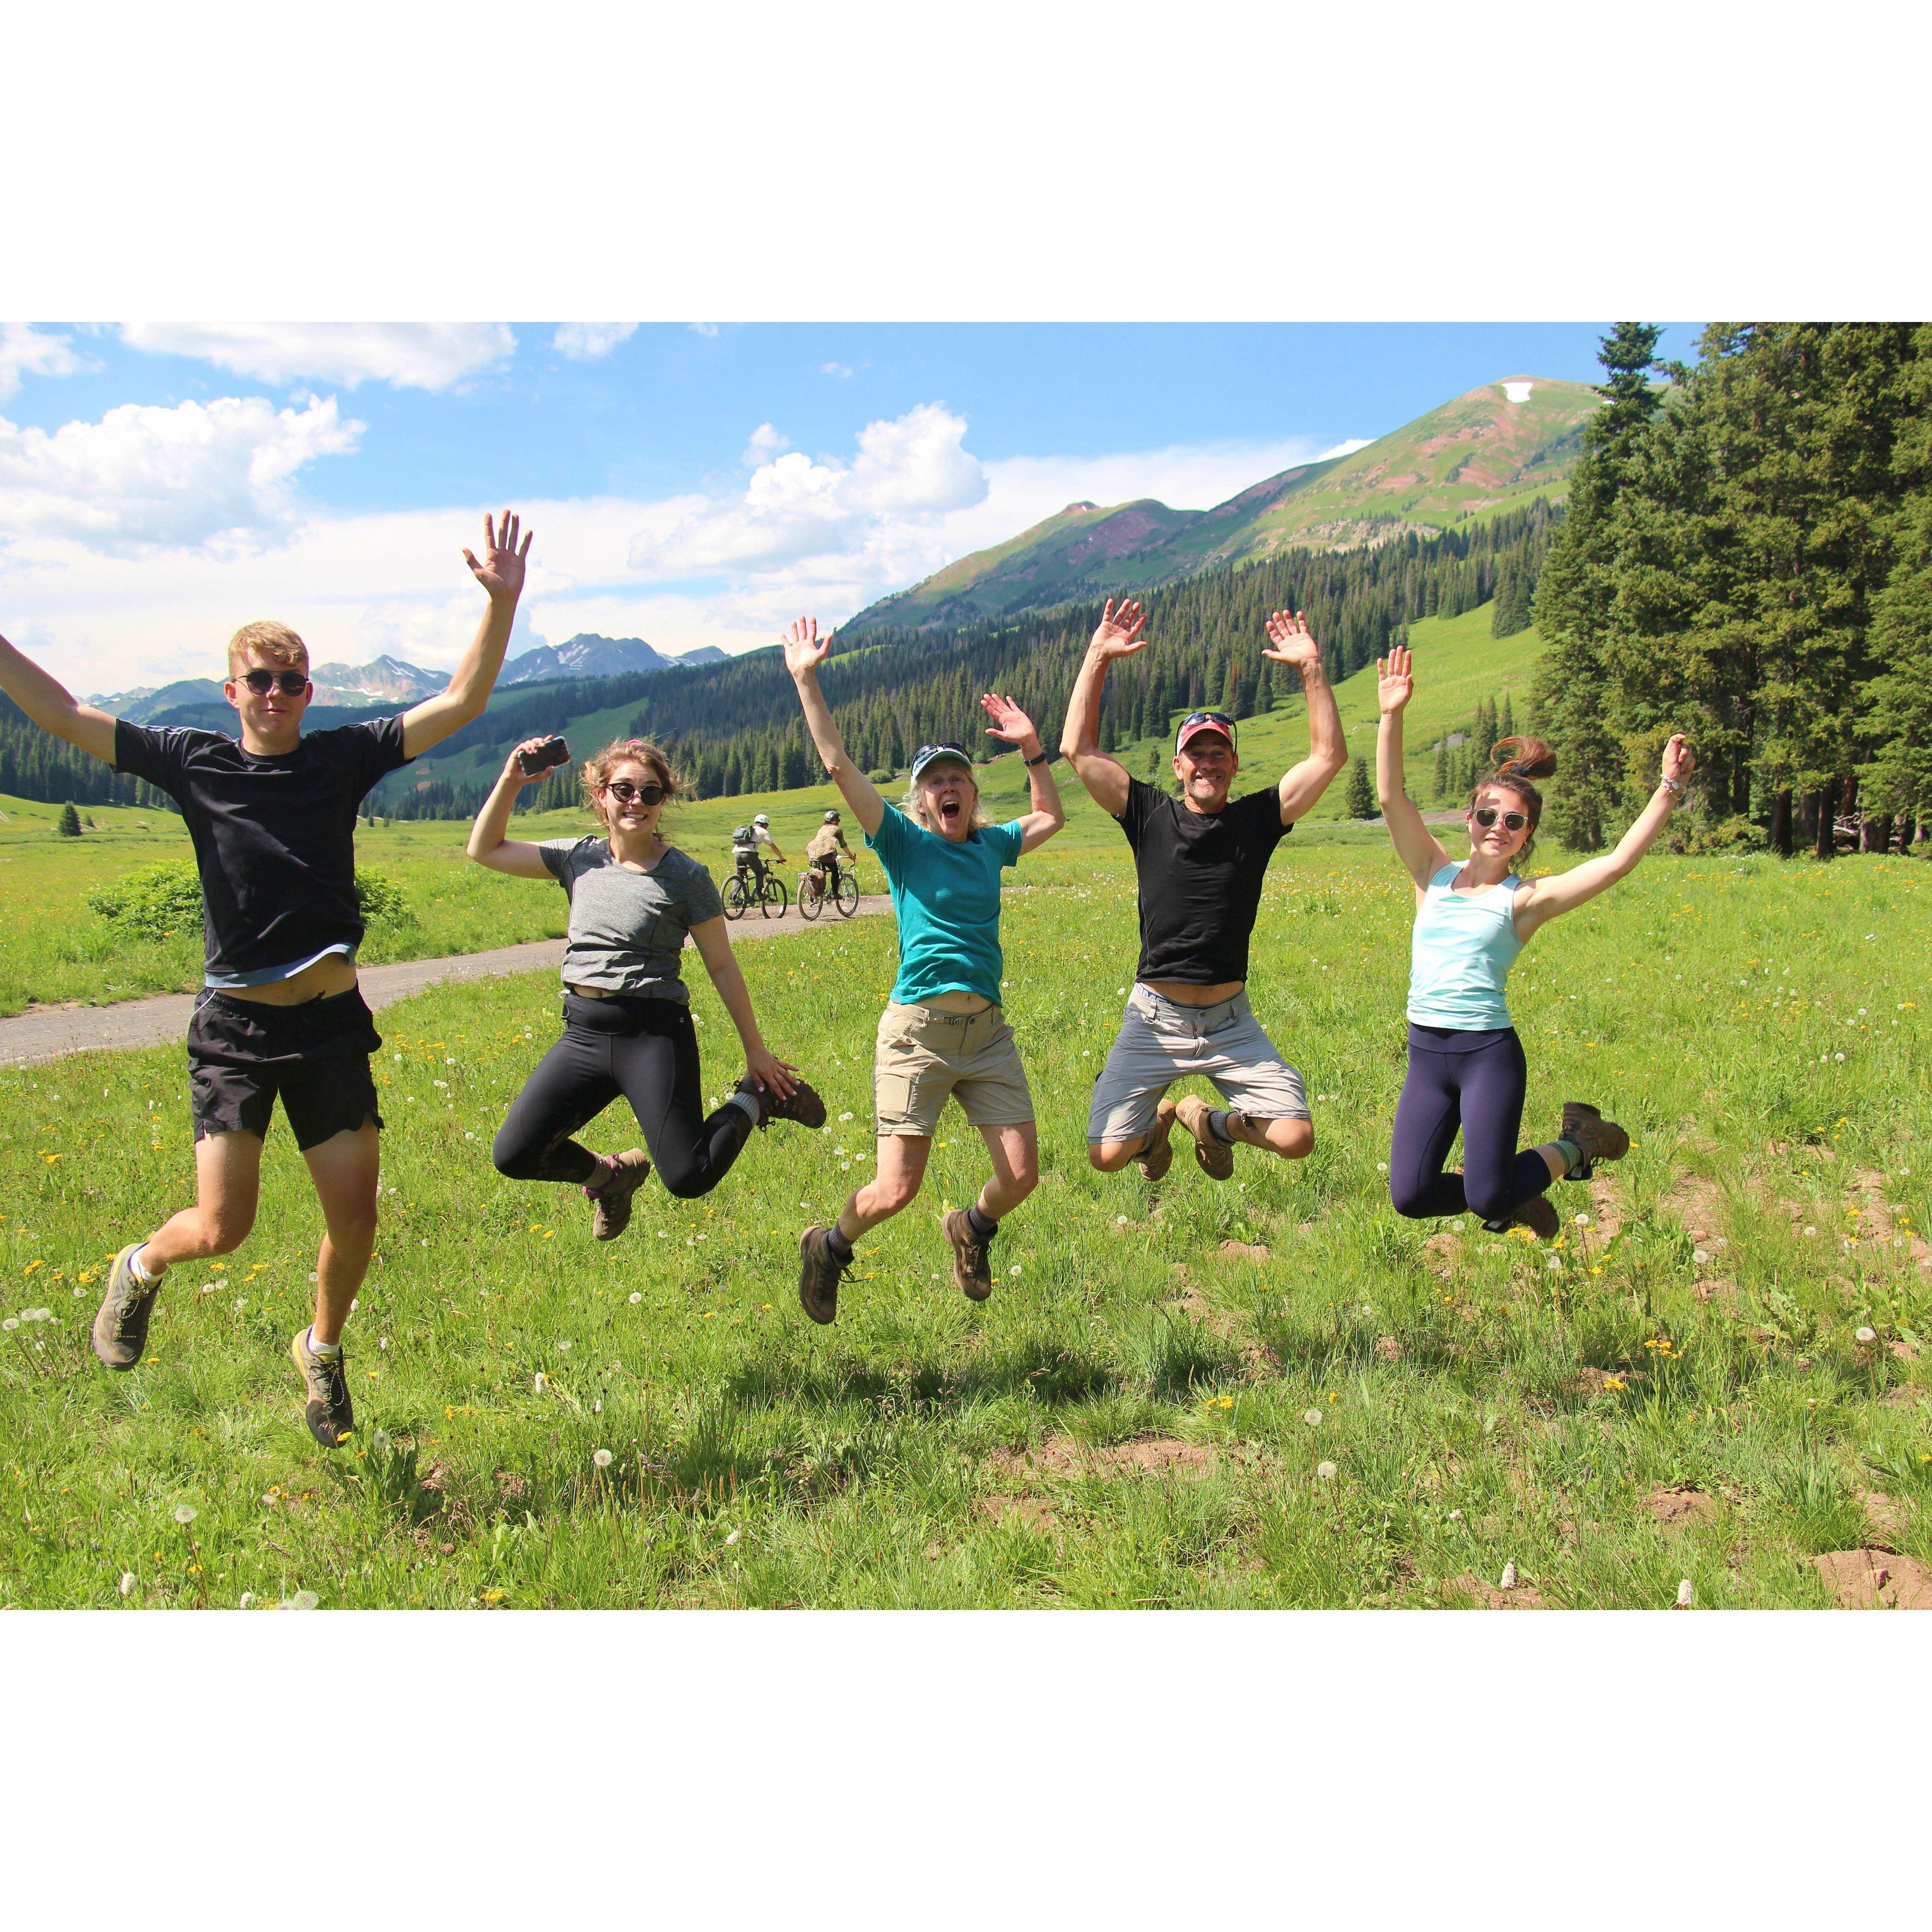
(329,1414)
(120,1322)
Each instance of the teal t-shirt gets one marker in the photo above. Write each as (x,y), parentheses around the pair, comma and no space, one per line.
(946,896)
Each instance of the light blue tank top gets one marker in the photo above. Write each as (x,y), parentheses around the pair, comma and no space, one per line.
(1464,946)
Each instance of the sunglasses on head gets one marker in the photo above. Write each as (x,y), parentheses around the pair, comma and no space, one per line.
(625,793)
(1487,815)
(1220,718)
(289,683)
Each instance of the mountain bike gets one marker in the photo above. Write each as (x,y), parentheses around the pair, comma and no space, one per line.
(813,897)
(742,893)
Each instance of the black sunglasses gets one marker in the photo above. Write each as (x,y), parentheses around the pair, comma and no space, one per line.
(624,792)
(1487,815)
(289,683)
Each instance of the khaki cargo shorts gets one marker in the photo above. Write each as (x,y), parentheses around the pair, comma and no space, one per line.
(924,1054)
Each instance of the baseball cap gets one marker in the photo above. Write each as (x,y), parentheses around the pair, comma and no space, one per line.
(931,754)
(1196,722)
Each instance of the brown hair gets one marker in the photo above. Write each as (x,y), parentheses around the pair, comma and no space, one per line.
(269,642)
(1517,760)
(597,769)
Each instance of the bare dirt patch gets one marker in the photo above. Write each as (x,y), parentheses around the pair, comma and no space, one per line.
(1679,1507)
(1159,1455)
(1878,1223)
(1487,1597)
(1890,1517)
(1243,1251)
(1875,1580)
(1032,1511)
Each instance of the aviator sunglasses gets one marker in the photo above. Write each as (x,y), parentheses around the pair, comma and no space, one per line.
(289,683)
(1487,815)
(625,793)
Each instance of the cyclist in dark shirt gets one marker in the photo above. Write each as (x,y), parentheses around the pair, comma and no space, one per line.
(272,817)
(1200,859)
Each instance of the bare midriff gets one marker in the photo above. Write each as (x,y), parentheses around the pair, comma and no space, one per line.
(958,1001)
(1184,994)
(334,973)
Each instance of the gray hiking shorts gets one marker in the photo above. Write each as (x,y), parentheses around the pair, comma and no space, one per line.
(1161,1042)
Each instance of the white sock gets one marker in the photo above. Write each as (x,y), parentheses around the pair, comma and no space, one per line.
(148,1276)
(327,1351)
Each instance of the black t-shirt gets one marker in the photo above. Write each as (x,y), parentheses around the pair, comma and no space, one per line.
(274,838)
(1200,881)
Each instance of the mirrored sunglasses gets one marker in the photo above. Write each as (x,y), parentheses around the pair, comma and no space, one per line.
(1220,718)
(1487,815)
(625,793)
(289,683)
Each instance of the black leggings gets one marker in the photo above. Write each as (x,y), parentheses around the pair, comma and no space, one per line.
(1479,1088)
(645,1050)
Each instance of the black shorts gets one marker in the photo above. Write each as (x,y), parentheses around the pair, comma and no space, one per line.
(241,1054)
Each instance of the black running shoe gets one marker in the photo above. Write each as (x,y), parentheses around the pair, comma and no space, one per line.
(329,1415)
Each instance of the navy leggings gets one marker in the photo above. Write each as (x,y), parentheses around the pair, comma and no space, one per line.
(1475,1082)
(646,1050)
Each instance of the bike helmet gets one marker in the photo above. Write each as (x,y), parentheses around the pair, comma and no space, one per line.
(763,818)
(832,818)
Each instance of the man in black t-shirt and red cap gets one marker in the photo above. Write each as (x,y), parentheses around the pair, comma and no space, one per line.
(1201,859)
(272,816)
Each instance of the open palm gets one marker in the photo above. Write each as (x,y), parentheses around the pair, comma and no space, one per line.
(1119,635)
(1293,643)
(501,571)
(1395,681)
(805,649)
(1009,721)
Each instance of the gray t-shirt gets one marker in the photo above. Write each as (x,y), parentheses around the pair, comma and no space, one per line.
(627,928)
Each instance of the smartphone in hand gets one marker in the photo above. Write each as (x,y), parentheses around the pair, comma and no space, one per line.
(540,758)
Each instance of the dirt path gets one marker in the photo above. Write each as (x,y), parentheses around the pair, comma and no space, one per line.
(27,1038)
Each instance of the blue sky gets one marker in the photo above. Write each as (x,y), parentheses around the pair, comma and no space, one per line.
(159,484)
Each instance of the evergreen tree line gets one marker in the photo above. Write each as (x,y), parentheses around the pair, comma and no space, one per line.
(1459,767)
(1748,558)
(35,764)
(734,728)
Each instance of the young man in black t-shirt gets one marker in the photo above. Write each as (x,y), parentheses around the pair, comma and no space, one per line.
(1201,859)
(272,815)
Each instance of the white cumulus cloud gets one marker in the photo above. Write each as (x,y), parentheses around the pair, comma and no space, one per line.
(587,341)
(144,476)
(914,469)
(834,369)
(25,350)
(406,355)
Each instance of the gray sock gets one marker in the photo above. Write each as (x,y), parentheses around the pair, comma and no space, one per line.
(741,1097)
(1217,1125)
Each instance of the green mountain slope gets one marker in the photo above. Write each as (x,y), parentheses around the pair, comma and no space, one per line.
(1499,446)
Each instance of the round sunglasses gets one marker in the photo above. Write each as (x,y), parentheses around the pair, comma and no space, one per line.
(1487,815)
(289,683)
(625,793)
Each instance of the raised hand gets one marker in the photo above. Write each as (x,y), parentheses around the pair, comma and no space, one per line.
(1679,763)
(1395,680)
(1293,644)
(501,572)
(1119,635)
(1009,721)
(805,650)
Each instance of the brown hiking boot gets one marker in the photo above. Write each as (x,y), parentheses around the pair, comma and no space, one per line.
(1157,1156)
(804,1106)
(1594,1138)
(328,1414)
(624,1174)
(972,1262)
(1538,1214)
(1215,1159)
(818,1273)
(120,1322)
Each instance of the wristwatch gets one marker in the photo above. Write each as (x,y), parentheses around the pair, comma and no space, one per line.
(1045,758)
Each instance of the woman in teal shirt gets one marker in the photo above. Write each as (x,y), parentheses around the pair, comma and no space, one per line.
(943,1032)
(1466,1069)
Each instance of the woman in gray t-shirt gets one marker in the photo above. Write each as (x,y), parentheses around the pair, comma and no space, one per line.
(627,1025)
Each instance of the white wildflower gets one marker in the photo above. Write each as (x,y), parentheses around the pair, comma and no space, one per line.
(602,1458)
(185,1514)
(1508,1577)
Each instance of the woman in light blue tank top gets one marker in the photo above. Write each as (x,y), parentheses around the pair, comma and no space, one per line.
(1466,1069)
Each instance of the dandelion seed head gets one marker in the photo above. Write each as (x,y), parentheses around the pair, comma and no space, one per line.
(1326,1470)
(602,1458)
(1312,1417)
(127,1585)
(1866,1335)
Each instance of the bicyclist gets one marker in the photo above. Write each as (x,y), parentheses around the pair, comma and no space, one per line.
(744,843)
(822,854)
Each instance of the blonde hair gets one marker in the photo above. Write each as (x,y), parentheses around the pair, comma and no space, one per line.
(597,770)
(913,804)
(269,643)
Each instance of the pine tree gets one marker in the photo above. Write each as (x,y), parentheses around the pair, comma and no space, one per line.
(68,825)
(1506,725)
(1359,801)
(1441,768)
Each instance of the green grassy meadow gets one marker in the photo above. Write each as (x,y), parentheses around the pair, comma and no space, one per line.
(1142,1414)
